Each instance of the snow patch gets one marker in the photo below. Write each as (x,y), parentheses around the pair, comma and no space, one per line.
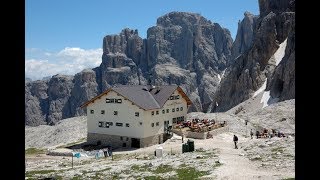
(267,100)
(220,77)
(279,54)
(262,88)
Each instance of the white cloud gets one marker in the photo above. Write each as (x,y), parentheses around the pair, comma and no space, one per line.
(69,61)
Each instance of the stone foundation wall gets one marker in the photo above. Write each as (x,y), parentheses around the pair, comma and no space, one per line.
(116,142)
(111,140)
(151,140)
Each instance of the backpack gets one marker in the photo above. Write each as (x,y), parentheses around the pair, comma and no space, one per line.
(235,138)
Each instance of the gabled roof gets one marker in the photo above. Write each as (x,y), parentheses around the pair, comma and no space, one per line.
(144,96)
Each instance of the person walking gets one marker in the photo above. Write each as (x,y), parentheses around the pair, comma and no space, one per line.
(251,133)
(235,140)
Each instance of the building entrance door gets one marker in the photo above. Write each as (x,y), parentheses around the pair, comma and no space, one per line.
(135,143)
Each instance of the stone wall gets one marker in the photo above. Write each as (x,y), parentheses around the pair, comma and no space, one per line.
(111,140)
(151,140)
(116,142)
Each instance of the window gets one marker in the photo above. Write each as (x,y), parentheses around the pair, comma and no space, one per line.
(91,111)
(140,123)
(121,138)
(124,145)
(119,124)
(174,120)
(171,97)
(115,112)
(172,109)
(152,124)
(107,125)
(100,124)
(127,139)
(181,108)
(127,125)
(157,123)
(157,112)
(152,113)
(167,110)
(102,111)
(136,114)
(113,100)
(177,97)
(163,111)
(177,109)
(110,123)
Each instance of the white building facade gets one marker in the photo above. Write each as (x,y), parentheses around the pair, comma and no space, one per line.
(134,116)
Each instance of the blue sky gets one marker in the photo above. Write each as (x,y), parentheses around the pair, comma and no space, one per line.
(73,27)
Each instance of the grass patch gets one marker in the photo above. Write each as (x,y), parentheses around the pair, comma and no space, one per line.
(32,173)
(152,178)
(77,177)
(163,169)
(190,173)
(288,179)
(140,168)
(31,151)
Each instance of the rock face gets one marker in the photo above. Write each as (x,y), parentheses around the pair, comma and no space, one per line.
(250,70)
(85,87)
(282,81)
(188,50)
(59,90)
(245,35)
(36,102)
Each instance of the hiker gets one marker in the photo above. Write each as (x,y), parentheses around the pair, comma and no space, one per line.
(235,140)
(251,133)
(257,134)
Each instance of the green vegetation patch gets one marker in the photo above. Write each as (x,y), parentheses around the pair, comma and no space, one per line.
(31,151)
(190,173)
(153,178)
(288,179)
(163,169)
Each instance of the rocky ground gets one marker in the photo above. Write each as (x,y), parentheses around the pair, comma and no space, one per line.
(214,158)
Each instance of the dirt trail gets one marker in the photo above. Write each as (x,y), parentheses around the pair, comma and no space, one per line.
(235,165)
